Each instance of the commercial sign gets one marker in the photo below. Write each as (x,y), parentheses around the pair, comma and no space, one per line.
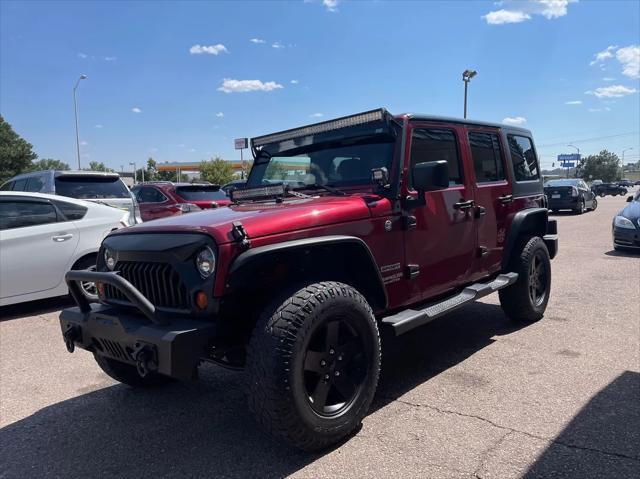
(569,160)
(241,143)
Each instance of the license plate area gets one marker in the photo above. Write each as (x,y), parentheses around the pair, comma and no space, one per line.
(555,196)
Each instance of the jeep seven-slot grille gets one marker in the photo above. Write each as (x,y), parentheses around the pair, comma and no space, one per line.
(158,282)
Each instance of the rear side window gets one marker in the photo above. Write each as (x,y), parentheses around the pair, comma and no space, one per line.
(71,212)
(201,193)
(19,214)
(19,185)
(7,186)
(431,144)
(35,184)
(150,195)
(487,160)
(91,187)
(523,157)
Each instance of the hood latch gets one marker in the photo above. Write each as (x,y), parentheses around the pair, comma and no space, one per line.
(240,235)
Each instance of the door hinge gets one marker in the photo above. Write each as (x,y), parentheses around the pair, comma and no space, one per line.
(409,222)
(240,235)
(412,271)
(482,251)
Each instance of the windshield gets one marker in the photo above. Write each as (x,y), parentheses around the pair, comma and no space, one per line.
(87,187)
(201,193)
(562,183)
(342,165)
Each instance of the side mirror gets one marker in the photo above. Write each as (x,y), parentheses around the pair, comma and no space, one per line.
(431,176)
(629,199)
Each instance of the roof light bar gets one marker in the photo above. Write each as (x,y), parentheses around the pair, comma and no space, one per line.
(344,122)
(260,192)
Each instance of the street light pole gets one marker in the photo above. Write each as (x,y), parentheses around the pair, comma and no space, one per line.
(135,173)
(623,152)
(75,109)
(578,150)
(467,75)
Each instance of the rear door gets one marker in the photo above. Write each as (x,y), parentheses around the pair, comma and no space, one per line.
(440,245)
(153,203)
(36,246)
(492,196)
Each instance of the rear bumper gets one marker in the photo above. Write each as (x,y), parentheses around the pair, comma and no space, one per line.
(142,338)
(563,203)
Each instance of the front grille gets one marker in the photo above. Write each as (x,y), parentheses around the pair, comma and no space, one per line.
(158,282)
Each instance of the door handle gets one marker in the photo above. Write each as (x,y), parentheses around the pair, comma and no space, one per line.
(480,211)
(463,205)
(62,237)
(504,199)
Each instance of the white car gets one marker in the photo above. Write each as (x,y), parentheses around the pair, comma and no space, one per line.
(43,236)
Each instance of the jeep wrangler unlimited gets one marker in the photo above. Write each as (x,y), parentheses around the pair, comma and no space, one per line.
(344,227)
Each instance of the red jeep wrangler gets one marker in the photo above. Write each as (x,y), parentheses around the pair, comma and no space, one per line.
(345,227)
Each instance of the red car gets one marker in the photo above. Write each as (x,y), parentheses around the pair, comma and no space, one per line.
(164,198)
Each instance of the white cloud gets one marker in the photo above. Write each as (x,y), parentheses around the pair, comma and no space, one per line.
(613,91)
(608,79)
(192,150)
(514,120)
(82,55)
(135,109)
(594,110)
(209,50)
(603,55)
(257,40)
(630,59)
(331,5)
(97,126)
(110,59)
(500,17)
(230,85)
(573,102)
(220,114)
(277,45)
(83,143)
(294,82)
(181,145)
(553,8)
(316,115)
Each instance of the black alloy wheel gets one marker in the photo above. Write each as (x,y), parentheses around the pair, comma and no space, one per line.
(538,277)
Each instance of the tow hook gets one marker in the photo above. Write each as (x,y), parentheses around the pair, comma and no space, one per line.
(145,357)
(71,335)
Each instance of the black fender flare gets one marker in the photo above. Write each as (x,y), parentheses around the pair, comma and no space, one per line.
(367,269)
(533,222)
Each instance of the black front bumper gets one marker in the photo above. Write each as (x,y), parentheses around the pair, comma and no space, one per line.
(626,237)
(149,341)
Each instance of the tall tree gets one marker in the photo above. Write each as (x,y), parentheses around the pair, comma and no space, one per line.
(49,164)
(98,166)
(216,171)
(604,166)
(16,154)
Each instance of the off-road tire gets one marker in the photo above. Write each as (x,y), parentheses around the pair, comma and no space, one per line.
(127,374)
(276,366)
(516,300)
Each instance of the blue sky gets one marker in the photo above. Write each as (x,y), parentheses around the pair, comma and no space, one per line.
(156,71)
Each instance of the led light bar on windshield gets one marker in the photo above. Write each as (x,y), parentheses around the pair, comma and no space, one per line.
(353,120)
(258,193)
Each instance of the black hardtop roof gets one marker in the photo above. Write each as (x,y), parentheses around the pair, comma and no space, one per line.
(448,119)
(56,173)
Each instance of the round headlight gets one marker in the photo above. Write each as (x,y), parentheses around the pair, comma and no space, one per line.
(109,259)
(206,262)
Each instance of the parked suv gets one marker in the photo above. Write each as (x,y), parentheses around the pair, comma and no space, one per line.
(570,194)
(385,222)
(605,189)
(97,186)
(164,198)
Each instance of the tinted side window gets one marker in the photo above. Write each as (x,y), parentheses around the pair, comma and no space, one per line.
(150,195)
(523,156)
(18,214)
(35,184)
(430,144)
(19,185)
(8,186)
(71,211)
(91,187)
(487,160)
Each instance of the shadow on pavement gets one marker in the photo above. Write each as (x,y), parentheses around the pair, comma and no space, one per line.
(624,253)
(204,428)
(602,440)
(34,308)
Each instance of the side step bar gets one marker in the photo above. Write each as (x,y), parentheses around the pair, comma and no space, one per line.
(410,318)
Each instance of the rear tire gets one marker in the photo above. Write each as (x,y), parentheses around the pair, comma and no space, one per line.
(594,204)
(581,207)
(127,374)
(526,300)
(313,364)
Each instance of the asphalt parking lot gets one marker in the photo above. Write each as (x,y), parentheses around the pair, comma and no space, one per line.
(469,395)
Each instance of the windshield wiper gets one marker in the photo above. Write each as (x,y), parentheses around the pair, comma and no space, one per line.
(330,189)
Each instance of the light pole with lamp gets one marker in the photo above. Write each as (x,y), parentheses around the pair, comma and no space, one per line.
(135,173)
(623,152)
(578,150)
(467,75)
(75,109)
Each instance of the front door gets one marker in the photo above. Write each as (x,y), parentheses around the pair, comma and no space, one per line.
(441,240)
(153,203)
(493,195)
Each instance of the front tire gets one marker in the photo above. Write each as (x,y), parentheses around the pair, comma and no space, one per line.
(526,300)
(313,365)
(88,288)
(594,204)
(127,374)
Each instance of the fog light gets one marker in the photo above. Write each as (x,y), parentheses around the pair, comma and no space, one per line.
(201,300)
